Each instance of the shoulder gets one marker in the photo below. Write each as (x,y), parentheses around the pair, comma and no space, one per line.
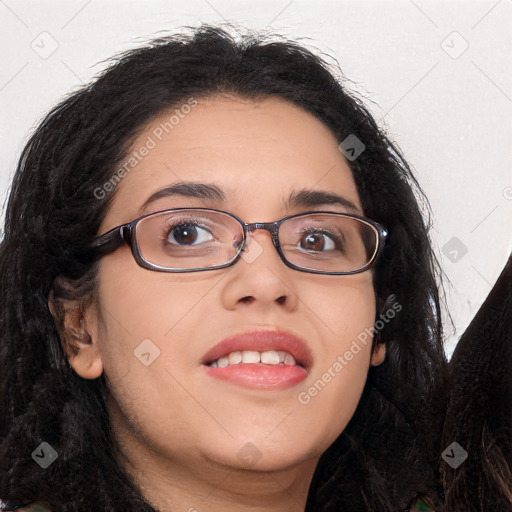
(421,504)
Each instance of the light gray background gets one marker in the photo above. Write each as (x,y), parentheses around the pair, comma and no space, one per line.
(439,75)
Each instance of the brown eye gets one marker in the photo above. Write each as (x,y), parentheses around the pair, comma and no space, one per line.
(188,234)
(317,241)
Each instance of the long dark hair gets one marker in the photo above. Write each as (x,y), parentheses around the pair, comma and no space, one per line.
(387,454)
(479,413)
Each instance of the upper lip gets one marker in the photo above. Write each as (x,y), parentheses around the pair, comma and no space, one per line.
(261,341)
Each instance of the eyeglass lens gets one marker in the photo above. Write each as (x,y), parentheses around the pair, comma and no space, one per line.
(201,239)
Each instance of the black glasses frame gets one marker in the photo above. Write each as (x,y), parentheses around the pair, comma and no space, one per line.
(125,233)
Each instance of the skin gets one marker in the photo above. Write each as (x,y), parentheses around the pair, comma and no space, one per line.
(180,430)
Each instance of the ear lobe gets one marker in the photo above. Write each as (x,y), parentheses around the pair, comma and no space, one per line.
(378,355)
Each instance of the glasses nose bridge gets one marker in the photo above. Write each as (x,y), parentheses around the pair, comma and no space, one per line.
(271,227)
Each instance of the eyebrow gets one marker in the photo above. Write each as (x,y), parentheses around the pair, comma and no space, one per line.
(305,198)
(187,189)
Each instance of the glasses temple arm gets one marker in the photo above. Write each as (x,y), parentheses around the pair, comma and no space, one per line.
(108,242)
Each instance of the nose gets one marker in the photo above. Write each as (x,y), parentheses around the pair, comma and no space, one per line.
(260,278)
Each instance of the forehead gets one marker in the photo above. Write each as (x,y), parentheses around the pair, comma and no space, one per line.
(254,150)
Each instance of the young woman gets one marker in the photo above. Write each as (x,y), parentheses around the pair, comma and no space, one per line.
(218,293)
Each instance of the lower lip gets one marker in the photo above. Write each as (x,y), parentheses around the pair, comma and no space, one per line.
(259,375)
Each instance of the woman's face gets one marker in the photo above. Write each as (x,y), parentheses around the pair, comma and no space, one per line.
(149,331)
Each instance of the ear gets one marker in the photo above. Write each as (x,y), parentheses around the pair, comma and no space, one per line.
(77,327)
(378,355)
(378,349)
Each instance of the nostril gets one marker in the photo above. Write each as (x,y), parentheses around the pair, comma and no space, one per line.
(281,300)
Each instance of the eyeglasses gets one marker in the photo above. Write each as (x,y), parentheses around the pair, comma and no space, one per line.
(196,239)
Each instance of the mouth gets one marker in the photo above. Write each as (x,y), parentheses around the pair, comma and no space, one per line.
(271,357)
(260,359)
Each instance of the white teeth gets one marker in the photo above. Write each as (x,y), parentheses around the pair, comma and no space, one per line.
(270,357)
(235,357)
(250,356)
(222,362)
(274,357)
(289,359)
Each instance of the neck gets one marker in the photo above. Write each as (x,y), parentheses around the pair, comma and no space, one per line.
(194,482)
(223,489)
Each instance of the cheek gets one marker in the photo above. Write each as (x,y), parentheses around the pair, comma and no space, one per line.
(139,304)
(344,308)
(132,319)
(142,361)
(346,316)
(146,327)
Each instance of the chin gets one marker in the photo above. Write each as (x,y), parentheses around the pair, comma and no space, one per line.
(263,456)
